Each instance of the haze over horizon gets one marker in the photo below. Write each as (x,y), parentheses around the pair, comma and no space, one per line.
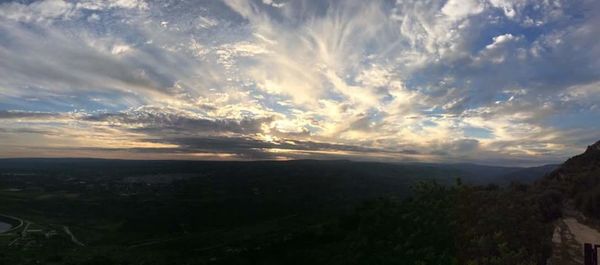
(505,82)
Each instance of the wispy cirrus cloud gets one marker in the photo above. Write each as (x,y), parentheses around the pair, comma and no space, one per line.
(490,81)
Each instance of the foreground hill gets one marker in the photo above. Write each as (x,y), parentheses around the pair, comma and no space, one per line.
(571,200)
(579,180)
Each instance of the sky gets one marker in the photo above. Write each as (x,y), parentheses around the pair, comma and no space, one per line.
(502,82)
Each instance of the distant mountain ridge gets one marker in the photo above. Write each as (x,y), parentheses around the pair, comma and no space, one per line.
(469,173)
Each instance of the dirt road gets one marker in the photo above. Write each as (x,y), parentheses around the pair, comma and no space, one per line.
(568,239)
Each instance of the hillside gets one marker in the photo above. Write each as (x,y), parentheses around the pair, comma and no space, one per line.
(579,180)
(571,200)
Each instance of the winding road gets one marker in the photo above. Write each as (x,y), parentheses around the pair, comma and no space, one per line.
(73,238)
(25,225)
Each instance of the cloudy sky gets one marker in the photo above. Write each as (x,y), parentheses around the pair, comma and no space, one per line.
(508,82)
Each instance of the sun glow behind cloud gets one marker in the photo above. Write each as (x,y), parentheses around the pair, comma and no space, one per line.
(504,82)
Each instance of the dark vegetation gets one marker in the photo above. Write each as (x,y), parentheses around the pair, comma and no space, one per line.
(298,212)
(578,180)
(437,225)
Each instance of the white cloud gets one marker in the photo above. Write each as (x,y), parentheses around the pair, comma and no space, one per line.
(273,3)
(50,10)
(586,94)
(459,9)
(508,6)
(501,39)
(366,74)
(39,11)
(120,49)
(108,4)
